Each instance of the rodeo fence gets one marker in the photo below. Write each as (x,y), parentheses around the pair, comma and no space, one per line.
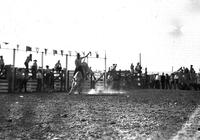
(3,86)
(126,80)
(24,81)
(61,81)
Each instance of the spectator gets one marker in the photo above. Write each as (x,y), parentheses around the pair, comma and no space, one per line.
(18,80)
(25,80)
(145,71)
(58,66)
(167,79)
(176,80)
(192,69)
(147,78)
(52,79)
(152,81)
(39,80)
(138,68)
(1,64)
(172,81)
(114,66)
(180,69)
(34,69)
(163,80)
(157,81)
(186,70)
(132,69)
(47,77)
(28,59)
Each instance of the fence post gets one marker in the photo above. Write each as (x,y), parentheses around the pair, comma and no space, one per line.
(42,71)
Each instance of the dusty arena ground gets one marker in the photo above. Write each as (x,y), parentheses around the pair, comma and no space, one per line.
(136,114)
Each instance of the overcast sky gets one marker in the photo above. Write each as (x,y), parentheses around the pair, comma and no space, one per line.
(165,32)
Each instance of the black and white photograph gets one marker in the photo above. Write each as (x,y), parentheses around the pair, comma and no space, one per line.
(100,69)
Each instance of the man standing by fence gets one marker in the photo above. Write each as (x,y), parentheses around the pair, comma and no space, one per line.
(28,59)
(34,69)
(132,68)
(162,78)
(39,80)
(58,67)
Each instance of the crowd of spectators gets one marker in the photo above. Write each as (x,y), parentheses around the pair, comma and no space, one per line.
(137,69)
(44,77)
(164,81)
(183,76)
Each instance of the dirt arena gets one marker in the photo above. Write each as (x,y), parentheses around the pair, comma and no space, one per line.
(136,114)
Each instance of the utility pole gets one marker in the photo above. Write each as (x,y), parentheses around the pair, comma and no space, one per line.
(105,80)
(13,72)
(42,61)
(66,74)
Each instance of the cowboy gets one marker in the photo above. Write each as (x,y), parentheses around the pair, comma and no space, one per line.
(78,63)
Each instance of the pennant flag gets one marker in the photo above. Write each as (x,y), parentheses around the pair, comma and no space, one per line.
(54,52)
(17,47)
(37,50)
(97,55)
(6,43)
(45,51)
(61,52)
(28,48)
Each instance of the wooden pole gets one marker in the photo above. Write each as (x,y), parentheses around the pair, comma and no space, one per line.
(42,63)
(66,74)
(105,80)
(13,72)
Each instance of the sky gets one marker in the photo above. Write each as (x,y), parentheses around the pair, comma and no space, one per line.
(165,32)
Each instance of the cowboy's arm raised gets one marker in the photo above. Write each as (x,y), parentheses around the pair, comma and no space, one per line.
(85,56)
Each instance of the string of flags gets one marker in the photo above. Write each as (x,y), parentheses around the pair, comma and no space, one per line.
(55,52)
